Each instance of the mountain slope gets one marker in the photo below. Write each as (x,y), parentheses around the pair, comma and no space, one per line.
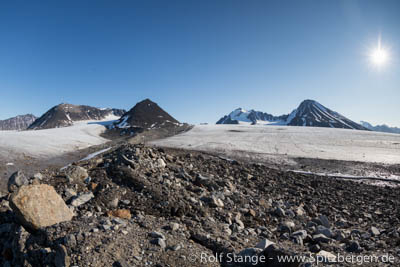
(20,122)
(65,114)
(312,113)
(309,113)
(381,128)
(145,114)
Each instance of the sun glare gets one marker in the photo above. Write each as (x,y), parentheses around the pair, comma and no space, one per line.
(379,56)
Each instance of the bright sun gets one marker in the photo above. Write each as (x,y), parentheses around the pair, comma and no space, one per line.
(379,56)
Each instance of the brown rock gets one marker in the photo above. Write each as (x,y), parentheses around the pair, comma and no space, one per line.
(93,186)
(121,213)
(38,206)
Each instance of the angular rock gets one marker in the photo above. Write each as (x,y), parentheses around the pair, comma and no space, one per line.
(62,258)
(280,212)
(76,174)
(301,233)
(286,226)
(354,246)
(17,180)
(159,242)
(156,235)
(161,163)
(206,182)
(324,221)
(321,238)
(82,199)
(39,206)
(174,226)
(38,176)
(213,201)
(323,230)
(374,231)
(263,244)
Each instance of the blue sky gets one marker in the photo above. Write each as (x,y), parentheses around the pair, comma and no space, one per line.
(200,59)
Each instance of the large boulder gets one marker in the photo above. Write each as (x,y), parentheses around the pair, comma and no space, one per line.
(38,206)
(17,180)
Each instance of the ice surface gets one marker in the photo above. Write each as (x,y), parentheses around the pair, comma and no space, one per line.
(53,142)
(292,141)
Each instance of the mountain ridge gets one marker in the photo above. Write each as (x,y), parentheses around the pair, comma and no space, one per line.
(308,113)
(380,128)
(64,115)
(18,123)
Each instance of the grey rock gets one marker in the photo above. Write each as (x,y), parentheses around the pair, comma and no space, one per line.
(323,230)
(301,233)
(321,238)
(315,248)
(82,199)
(119,221)
(159,242)
(176,247)
(126,202)
(374,231)
(263,244)
(38,176)
(106,227)
(69,193)
(279,212)
(174,226)
(113,203)
(354,246)
(213,201)
(161,163)
(324,221)
(70,240)
(76,174)
(156,235)
(286,226)
(61,258)
(17,180)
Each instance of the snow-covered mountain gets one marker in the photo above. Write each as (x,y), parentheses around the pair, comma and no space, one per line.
(146,114)
(20,122)
(309,113)
(240,115)
(380,128)
(66,114)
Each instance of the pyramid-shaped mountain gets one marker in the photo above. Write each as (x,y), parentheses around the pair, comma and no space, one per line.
(146,114)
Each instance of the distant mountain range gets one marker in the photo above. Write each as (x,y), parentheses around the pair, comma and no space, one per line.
(18,123)
(148,115)
(308,113)
(64,115)
(381,128)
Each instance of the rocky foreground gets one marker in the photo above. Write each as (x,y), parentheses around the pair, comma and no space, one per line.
(141,206)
